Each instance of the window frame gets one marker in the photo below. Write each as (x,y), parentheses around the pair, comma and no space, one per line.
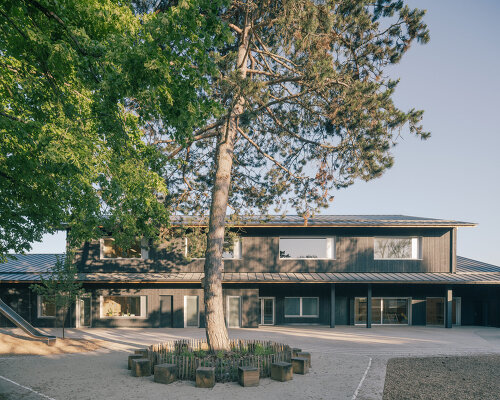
(144,251)
(331,247)
(237,251)
(414,239)
(39,301)
(142,305)
(300,307)
(409,302)
(185,310)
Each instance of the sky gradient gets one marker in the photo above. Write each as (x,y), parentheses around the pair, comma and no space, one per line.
(455,173)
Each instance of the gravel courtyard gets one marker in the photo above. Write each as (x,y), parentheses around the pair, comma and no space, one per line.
(445,378)
(348,363)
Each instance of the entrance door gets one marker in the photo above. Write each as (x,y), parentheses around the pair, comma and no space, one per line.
(84,312)
(191,311)
(266,311)
(166,311)
(434,311)
(233,311)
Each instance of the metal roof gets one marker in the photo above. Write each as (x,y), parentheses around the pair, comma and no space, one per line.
(470,266)
(27,268)
(327,221)
(26,263)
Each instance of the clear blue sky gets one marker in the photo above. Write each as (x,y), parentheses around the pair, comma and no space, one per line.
(455,78)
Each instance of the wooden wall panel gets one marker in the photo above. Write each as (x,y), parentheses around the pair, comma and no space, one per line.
(260,253)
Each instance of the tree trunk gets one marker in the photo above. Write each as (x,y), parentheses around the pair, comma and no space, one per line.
(217,336)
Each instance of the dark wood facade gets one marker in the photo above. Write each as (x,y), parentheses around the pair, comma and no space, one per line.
(354,253)
(260,253)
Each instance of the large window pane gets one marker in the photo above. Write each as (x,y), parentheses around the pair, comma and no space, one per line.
(397,248)
(292,306)
(360,307)
(111,250)
(197,245)
(121,306)
(395,311)
(306,248)
(309,306)
(376,311)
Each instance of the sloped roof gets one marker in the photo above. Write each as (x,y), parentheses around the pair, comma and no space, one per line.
(30,263)
(27,268)
(327,221)
(470,266)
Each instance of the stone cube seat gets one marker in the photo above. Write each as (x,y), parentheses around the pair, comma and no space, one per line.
(304,354)
(295,350)
(142,352)
(248,376)
(133,357)
(165,373)
(300,365)
(141,367)
(281,371)
(205,377)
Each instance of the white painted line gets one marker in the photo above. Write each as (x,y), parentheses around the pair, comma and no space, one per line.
(27,388)
(355,395)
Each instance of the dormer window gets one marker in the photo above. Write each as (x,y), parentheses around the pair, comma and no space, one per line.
(109,249)
(322,248)
(397,248)
(195,248)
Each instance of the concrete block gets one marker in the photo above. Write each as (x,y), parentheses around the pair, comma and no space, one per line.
(281,371)
(142,352)
(300,365)
(205,377)
(133,357)
(141,367)
(304,354)
(248,376)
(295,350)
(165,373)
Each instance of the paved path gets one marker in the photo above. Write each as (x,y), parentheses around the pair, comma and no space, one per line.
(342,358)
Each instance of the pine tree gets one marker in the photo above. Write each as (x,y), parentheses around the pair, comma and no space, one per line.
(306,109)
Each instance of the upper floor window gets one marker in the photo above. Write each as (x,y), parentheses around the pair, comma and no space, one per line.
(397,248)
(196,247)
(109,249)
(307,247)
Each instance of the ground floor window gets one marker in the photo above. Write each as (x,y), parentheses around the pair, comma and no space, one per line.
(385,310)
(123,306)
(46,307)
(301,307)
(191,311)
(435,311)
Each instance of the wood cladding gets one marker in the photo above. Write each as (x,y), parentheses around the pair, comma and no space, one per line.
(260,253)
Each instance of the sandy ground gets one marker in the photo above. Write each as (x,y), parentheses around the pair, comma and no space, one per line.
(340,360)
(15,343)
(443,378)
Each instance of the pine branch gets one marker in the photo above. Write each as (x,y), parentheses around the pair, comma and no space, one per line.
(269,157)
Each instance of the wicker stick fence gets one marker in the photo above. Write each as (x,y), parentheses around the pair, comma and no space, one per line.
(226,368)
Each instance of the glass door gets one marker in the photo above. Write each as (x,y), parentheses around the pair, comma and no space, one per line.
(84,312)
(233,311)
(266,311)
(191,311)
(434,311)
